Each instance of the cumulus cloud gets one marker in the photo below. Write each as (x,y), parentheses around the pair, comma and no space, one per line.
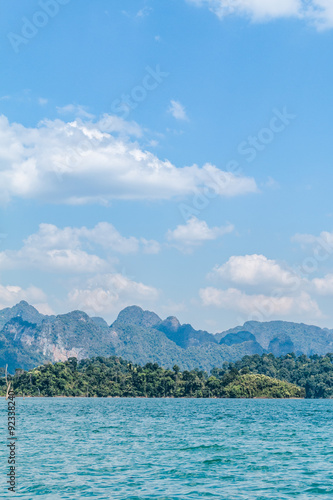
(80,162)
(262,289)
(323,286)
(63,250)
(195,232)
(255,270)
(53,260)
(115,124)
(318,12)
(75,110)
(268,276)
(324,240)
(44,308)
(11,295)
(111,292)
(260,306)
(177,110)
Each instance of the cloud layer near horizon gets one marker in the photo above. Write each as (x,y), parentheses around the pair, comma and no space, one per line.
(266,289)
(109,293)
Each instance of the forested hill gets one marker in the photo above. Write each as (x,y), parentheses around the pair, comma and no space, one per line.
(28,339)
(253,376)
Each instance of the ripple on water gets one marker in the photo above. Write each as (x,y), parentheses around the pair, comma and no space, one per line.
(173,449)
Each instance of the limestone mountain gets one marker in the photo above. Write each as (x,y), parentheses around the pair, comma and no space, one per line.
(28,338)
(282,336)
(238,338)
(22,310)
(184,335)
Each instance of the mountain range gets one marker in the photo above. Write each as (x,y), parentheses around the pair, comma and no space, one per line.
(29,338)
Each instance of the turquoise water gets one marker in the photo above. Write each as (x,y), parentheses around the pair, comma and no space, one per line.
(171,449)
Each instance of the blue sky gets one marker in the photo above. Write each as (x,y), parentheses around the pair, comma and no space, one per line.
(175,155)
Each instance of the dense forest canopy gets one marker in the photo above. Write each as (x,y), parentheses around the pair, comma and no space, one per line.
(314,373)
(252,376)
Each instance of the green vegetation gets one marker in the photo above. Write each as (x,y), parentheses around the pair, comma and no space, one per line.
(115,377)
(29,339)
(257,376)
(253,385)
(314,374)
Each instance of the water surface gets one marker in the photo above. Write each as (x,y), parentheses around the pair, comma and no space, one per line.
(73,448)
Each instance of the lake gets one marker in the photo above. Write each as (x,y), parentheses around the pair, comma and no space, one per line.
(127,449)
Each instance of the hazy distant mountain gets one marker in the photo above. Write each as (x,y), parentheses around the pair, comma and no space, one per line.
(237,338)
(184,335)
(28,338)
(281,336)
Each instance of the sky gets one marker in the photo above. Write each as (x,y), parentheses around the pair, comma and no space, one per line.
(175,155)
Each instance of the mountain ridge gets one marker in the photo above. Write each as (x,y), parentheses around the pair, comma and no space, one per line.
(28,338)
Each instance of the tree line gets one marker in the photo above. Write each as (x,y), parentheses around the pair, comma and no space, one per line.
(314,373)
(252,376)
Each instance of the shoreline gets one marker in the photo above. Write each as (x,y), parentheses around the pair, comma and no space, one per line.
(166,397)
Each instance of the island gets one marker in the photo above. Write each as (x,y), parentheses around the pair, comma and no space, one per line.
(115,377)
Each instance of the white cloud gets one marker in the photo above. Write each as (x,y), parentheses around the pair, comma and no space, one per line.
(255,270)
(150,246)
(63,250)
(260,306)
(177,110)
(324,240)
(321,11)
(318,12)
(113,123)
(76,110)
(44,308)
(195,232)
(257,9)
(278,289)
(53,260)
(81,162)
(107,236)
(11,295)
(323,286)
(53,250)
(111,292)
(265,290)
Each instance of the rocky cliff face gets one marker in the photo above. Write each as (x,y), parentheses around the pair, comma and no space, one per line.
(28,338)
